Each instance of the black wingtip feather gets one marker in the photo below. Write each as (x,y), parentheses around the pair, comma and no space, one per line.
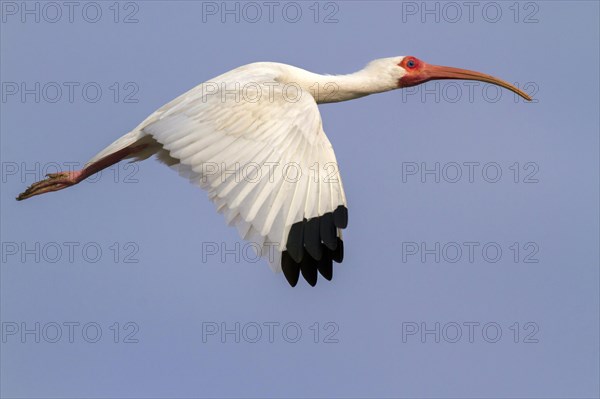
(325,265)
(308,267)
(312,238)
(338,253)
(313,246)
(295,242)
(340,217)
(328,232)
(291,269)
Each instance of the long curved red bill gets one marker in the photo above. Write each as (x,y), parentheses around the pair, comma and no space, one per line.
(435,72)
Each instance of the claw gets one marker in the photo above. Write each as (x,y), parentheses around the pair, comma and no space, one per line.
(60,180)
(53,182)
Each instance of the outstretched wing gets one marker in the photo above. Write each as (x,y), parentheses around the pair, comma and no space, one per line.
(258,147)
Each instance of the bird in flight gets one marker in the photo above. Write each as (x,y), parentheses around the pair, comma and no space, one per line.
(253,139)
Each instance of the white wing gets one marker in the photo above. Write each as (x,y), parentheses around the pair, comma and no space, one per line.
(258,147)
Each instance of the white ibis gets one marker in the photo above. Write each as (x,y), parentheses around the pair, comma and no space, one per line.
(253,138)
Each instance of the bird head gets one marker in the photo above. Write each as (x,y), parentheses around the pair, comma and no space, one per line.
(413,72)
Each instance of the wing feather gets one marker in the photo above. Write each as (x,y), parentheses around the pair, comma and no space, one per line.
(282,142)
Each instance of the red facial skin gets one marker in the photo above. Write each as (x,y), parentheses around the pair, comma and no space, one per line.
(418,72)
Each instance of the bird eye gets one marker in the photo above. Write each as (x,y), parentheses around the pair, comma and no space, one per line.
(410,63)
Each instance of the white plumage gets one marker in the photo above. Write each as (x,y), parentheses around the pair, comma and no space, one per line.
(208,133)
(253,139)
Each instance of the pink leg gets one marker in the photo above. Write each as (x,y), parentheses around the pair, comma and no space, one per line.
(58,181)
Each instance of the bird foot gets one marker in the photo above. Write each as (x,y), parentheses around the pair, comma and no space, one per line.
(53,182)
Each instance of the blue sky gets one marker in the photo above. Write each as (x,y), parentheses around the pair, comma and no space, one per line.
(126,255)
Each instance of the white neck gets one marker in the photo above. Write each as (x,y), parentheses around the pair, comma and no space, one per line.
(335,88)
